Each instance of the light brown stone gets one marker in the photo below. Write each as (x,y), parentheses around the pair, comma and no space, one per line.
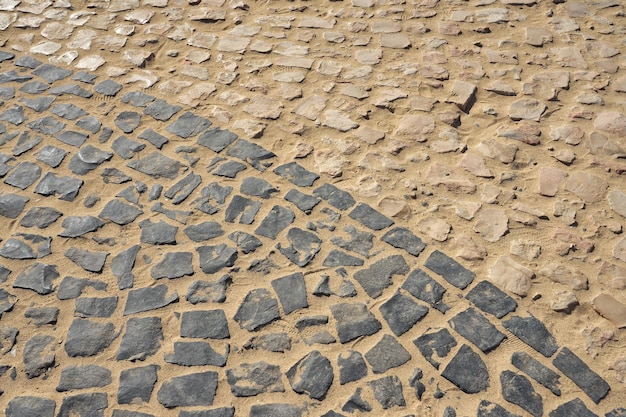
(475,164)
(525,249)
(492,224)
(395,207)
(611,309)
(440,174)
(549,180)
(434,228)
(588,187)
(564,302)
(493,149)
(415,127)
(468,249)
(571,277)
(512,276)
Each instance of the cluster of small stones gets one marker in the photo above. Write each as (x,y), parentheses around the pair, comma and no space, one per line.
(403,103)
(174,192)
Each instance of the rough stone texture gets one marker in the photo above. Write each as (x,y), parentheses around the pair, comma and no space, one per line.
(533,368)
(467,371)
(518,390)
(188,390)
(386,354)
(477,329)
(250,379)
(311,375)
(532,332)
(587,380)
(257,309)
(353,321)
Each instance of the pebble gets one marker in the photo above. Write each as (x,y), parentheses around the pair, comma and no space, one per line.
(564,302)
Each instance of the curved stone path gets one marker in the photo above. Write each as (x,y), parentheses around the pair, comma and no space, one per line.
(198,277)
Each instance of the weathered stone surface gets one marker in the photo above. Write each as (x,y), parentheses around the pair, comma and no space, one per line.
(271,342)
(401,313)
(250,379)
(148,298)
(205,324)
(26,246)
(403,238)
(353,321)
(188,125)
(467,371)
(258,308)
(156,165)
(141,339)
(122,267)
(40,315)
(303,201)
(388,391)
(423,287)
(312,375)
(587,380)
(161,110)
(574,407)
(251,153)
(38,277)
(532,332)
(336,197)
(611,122)
(38,355)
(24,406)
(23,175)
(369,217)
(160,233)
(71,287)
(136,384)
(477,329)
(360,242)
(257,187)
(491,299)
(449,269)
(387,354)
(95,307)
(489,409)
(296,174)
(188,390)
(215,258)
(351,366)
(511,276)
(12,205)
(81,377)
(92,404)
(588,187)
(66,188)
(277,410)
(533,368)
(173,265)
(303,246)
(197,354)
(440,342)
(87,159)
(88,338)
(88,260)
(339,258)
(492,224)
(291,291)
(376,278)
(441,174)
(518,390)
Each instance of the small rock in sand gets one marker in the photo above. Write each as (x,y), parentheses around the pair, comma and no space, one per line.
(492,224)
(434,228)
(511,276)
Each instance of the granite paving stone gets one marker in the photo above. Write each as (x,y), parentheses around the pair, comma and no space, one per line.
(467,371)
(583,376)
(51,155)
(24,406)
(312,375)
(403,238)
(250,379)
(12,205)
(122,266)
(87,159)
(23,175)
(75,226)
(618,412)
(108,88)
(217,139)
(401,313)
(205,324)
(203,231)
(351,366)
(303,246)
(354,320)
(379,276)
(208,291)
(26,246)
(142,338)
(257,187)
(81,377)
(251,153)
(88,260)
(574,407)
(51,73)
(356,403)
(37,277)
(14,115)
(246,242)
(161,110)
(70,89)
(489,409)
(291,291)
(533,368)
(388,391)
(258,308)
(189,390)
(386,354)
(42,316)
(532,332)
(477,329)
(91,404)
(128,121)
(242,207)
(173,265)
(229,169)
(275,409)
(439,341)
(88,338)
(277,220)
(137,384)
(215,258)
(449,269)
(149,298)
(414,381)
(518,390)
(89,123)
(25,143)
(215,412)
(71,287)
(104,307)
(68,111)
(197,354)
(137,98)
(66,188)
(157,233)
(271,342)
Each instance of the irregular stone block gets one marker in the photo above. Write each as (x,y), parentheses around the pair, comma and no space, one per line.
(387,354)
(467,371)
(587,380)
